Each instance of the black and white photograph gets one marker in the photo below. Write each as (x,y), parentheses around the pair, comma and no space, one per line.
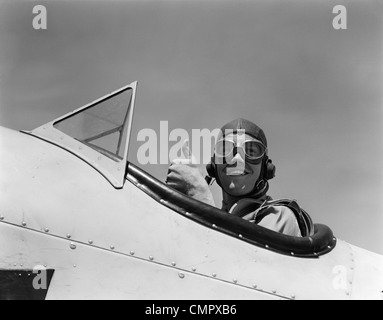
(175,151)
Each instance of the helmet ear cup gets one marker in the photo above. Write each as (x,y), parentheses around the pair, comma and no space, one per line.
(269,169)
(210,168)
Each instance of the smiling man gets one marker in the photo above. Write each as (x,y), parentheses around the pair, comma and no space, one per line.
(242,168)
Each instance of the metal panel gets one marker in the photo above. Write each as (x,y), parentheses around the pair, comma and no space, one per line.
(367,279)
(87,272)
(59,211)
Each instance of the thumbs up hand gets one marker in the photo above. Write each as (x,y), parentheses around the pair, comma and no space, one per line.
(185,176)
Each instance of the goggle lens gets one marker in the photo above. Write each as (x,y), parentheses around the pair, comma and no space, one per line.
(253,150)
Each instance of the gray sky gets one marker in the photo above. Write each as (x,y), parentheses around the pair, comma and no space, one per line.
(316,91)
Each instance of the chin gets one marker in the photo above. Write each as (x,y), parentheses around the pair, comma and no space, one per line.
(236,193)
(239,193)
(239,181)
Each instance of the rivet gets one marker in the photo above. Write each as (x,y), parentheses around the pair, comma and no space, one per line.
(1,217)
(292,296)
(74,266)
(98,158)
(214,275)
(80,147)
(151,258)
(45,265)
(194,269)
(15,265)
(68,236)
(329,247)
(292,253)
(235,280)
(254,286)
(90,241)
(240,236)
(266,245)
(132,253)
(24,224)
(112,247)
(72,246)
(46,230)
(274,291)
(21,264)
(214,226)
(347,293)
(315,253)
(118,169)
(29,275)
(174,264)
(19,274)
(181,275)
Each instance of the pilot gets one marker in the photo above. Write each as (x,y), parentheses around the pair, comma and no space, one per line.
(241,167)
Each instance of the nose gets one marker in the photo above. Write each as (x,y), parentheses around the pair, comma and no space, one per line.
(238,159)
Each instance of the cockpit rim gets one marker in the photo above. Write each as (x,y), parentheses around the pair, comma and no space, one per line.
(318,244)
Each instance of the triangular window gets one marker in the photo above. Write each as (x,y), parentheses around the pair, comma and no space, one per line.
(102,126)
(98,133)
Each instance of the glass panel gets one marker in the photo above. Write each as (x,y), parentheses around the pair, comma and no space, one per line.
(102,126)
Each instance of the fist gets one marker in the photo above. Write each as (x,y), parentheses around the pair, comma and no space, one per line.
(186,178)
(189,180)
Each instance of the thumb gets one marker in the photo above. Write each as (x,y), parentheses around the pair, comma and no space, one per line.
(187,152)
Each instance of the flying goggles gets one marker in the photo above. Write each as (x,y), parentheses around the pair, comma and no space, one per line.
(253,150)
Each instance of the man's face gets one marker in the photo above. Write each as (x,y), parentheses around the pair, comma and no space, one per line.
(237,175)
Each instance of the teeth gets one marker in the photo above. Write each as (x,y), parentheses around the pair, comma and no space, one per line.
(234,172)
